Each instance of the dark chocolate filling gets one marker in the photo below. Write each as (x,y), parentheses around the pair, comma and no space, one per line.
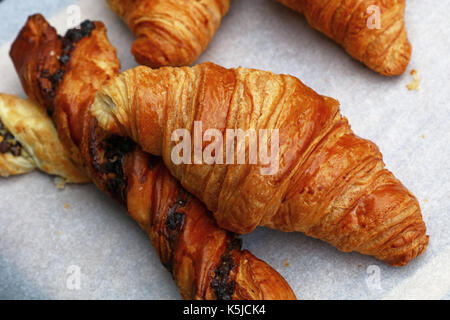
(174,223)
(8,143)
(115,149)
(175,219)
(153,161)
(69,40)
(221,284)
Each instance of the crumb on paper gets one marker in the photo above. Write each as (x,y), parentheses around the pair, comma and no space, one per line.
(415,82)
(326,80)
(59,233)
(59,182)
(286,263)
(423,136)
(67,206)
(359,266)
(426,200)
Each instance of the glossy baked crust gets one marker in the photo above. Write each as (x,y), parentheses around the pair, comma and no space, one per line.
(385,50)
(170,32)
(330,184)
(206,261)
(34,142)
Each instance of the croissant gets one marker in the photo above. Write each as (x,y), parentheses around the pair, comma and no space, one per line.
(28,140)
(330,184)
(206,261)
(170,32)
(383,48)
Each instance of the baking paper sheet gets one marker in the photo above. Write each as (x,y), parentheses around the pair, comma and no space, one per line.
(48,235)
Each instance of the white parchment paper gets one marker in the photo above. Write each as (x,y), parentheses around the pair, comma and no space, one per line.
(44,232)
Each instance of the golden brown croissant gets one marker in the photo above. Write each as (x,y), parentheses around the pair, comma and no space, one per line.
(206,262)
(351,23)
(170,32)
(330,184)
(28,140)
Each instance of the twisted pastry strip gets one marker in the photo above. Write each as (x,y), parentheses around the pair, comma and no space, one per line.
(206,262)
(170,32)
(330,185)
(28,140)
(385,50)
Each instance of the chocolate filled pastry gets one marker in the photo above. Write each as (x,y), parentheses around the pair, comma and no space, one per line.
(206,262)
(28,140)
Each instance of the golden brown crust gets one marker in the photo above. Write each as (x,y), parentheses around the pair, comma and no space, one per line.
(30,125)
(184,234)
(170,32)
(330,185)
(385,50)
(37,49)
(255,281)
(192,246)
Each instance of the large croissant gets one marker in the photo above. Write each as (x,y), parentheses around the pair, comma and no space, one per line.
(206,262)
(330,185)
(353,24)
(170,32)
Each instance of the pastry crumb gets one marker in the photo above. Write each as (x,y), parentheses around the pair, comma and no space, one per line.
(286,263)
(67,206)
(359,266)
(59,182)
(426,200)
(415,82)
(59,233)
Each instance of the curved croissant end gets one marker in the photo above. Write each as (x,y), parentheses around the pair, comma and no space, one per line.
(330,184)
(170,32)
(28,140)
(372,31)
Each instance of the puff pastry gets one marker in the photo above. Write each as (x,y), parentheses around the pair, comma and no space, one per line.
(28,140)
(384,48)
(170,32)
(330,184)
(206,261)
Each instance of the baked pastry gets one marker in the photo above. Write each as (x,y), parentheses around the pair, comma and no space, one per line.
(206,262)
(384,48)
(170,32)
(28,140)
(327,183)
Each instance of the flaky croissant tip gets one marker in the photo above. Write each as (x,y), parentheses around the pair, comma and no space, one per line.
(104,109)
(398,60)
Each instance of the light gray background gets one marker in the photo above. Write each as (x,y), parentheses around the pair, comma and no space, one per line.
(40,238)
